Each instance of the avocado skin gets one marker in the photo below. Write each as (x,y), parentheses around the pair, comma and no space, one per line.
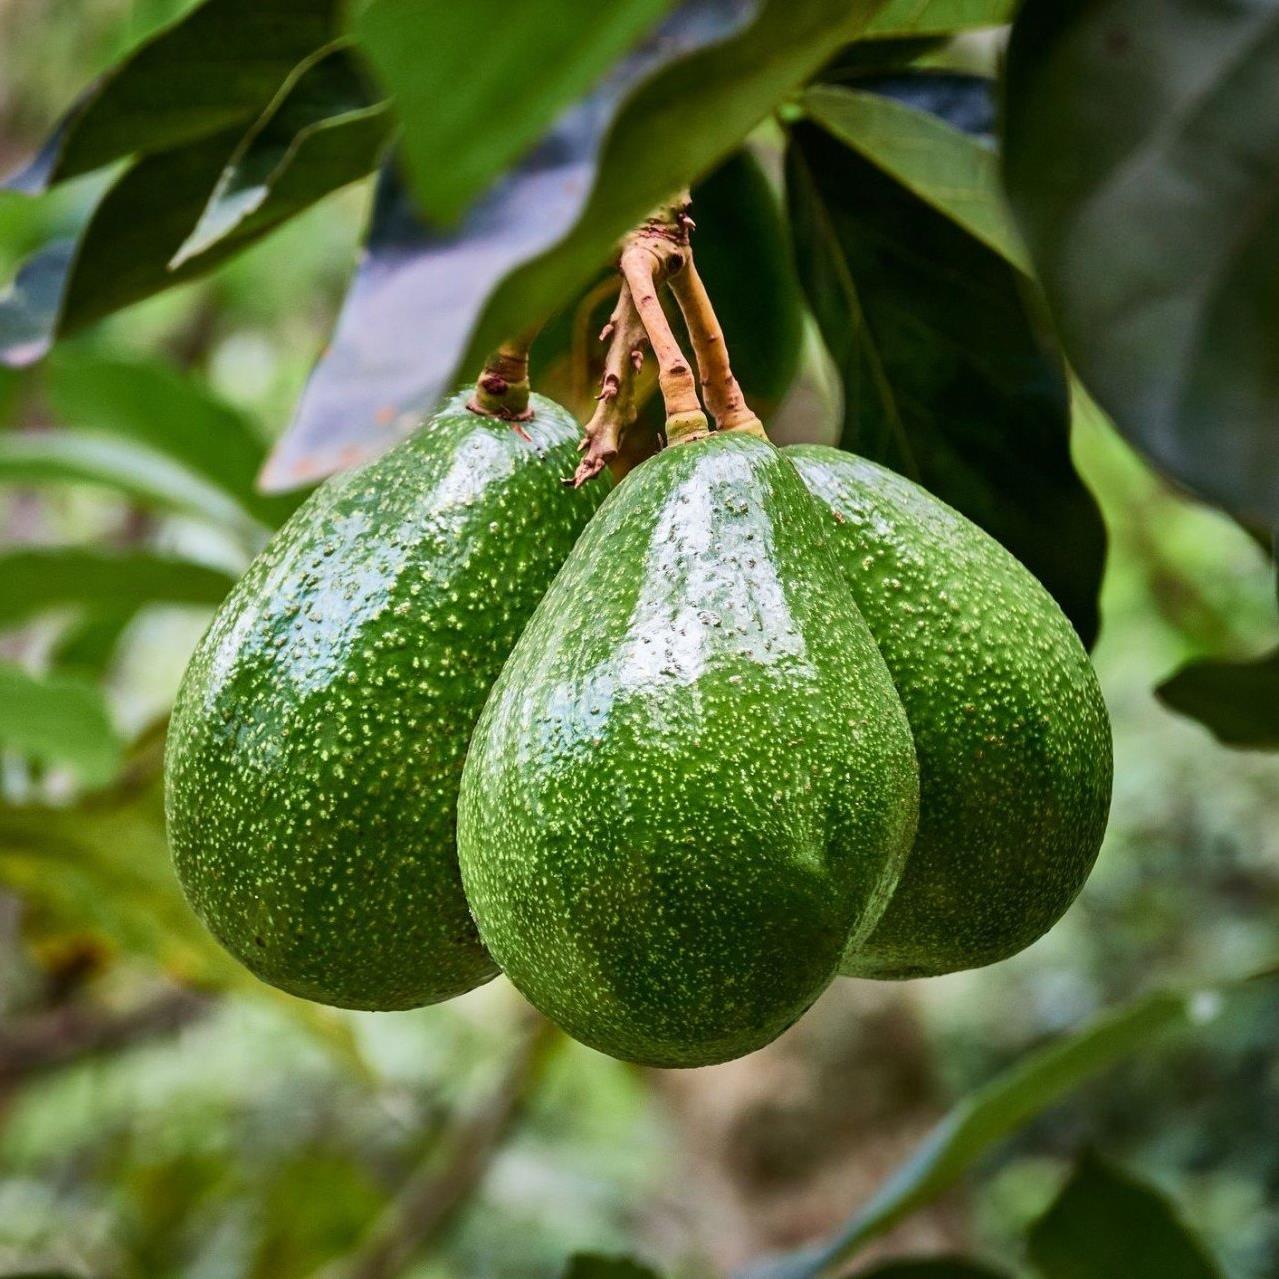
(318,737)
(1010,727)
(693,780)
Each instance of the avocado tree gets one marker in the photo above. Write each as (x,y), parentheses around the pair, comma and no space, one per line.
(769,714)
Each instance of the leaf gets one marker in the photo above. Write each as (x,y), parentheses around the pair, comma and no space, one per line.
(88,646)
(60,457)
(995,1111)
(933,1268)
(1237,701)
(154,405)
(924,17)
(950,171)
(35,580)
(427,306)
(945,378)
(739,221)
(58,720)
(1142,161)
(320,134)
(476,84)
(593,1265)
(1106,1224)
(217,66)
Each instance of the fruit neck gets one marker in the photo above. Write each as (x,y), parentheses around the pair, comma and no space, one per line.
(502,389)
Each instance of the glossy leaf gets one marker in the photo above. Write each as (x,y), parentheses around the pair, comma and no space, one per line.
(945,377)
(217,66)
(153,404)
(933,1268)
(427,306)
(37,579)
(995,1111)
(1106,1224)
(321,133)
(954,173)
(926,17)
(62,457)
(1237,701)
(593,1265)
(58,720)
(1142,160)
(476,84)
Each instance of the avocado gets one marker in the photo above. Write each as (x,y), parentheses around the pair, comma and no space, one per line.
(1010,728)
(317,742)
(693,781)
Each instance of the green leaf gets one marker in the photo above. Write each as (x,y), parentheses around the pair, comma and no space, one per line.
(1142,160)
(319,134)
(945,377)
(88,646)
(955,173)
(60,457)
(987,1116)
(739,220)
(35,580)
(153,404)
(58,720)
(475,84)
(927,17)
(1237,701)
(218,65)
(933,1268)
(593,1265)
(1106,1224)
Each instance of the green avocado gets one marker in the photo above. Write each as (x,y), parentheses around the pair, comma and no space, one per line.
(693,781)
(1010,728)
(317,743)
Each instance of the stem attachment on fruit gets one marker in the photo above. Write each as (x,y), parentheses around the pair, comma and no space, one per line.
(615,409)
(724,396)
(502,388)
(651,256)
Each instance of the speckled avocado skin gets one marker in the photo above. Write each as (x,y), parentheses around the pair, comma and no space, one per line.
(1010,728)
(318,738)
(693,780)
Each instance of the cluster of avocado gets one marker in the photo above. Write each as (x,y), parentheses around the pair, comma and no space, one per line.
(763,717)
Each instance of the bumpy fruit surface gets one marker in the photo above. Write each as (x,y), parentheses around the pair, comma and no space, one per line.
(693,781)
(318,739)
(1009,724)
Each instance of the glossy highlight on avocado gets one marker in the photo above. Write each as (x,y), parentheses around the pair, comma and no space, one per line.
(318,738)
(1010,728)
(693,781)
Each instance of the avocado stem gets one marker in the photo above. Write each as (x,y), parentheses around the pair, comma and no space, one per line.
(724,396)
(615,409)
(502,389)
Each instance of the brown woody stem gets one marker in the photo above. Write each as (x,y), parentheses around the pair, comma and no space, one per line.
(724,396)
(502,388)
(615,408)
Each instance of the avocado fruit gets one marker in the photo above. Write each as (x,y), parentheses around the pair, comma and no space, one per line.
(693,781)
(1010,728)
(317,743)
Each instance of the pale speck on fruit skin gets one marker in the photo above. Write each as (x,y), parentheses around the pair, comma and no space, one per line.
(318,738)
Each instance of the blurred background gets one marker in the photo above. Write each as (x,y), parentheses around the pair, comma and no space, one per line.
(162,1114)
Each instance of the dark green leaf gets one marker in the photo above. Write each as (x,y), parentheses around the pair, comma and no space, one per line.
(154,405)
(217,66)
(922,17)
(592,1265)
(427,306)
(932,1268)
(1238,701)
(1142,159)
(321,133)
(35,580)
(476,84)
(1106,1224)
(744,256)
(997,1110)
(89,645)
(954,173)
(58,720)
(945,378)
